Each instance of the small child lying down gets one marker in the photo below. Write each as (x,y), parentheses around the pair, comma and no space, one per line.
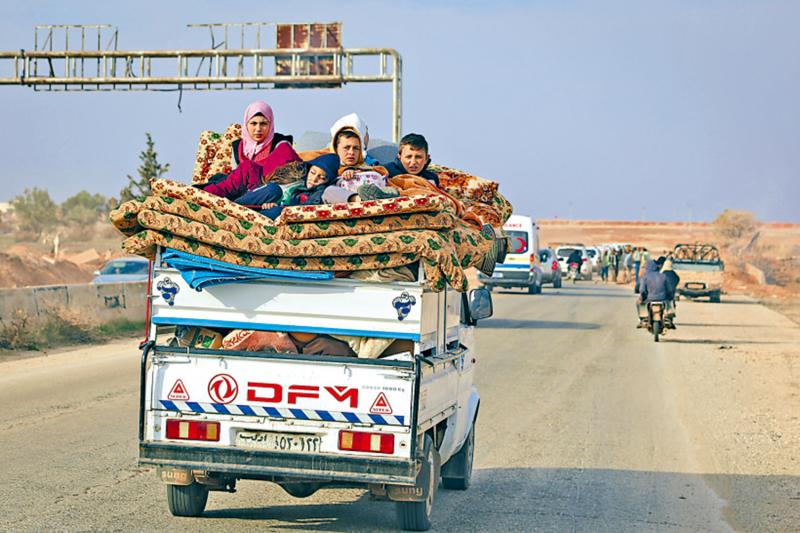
(270,199)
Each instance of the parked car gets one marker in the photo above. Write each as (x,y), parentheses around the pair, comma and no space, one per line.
(594,256)
(123,269)
(551,271)
(563,252)
(520,267)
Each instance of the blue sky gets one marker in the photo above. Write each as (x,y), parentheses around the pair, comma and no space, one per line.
(610,110)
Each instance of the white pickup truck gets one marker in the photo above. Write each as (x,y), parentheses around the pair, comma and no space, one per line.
(394,425)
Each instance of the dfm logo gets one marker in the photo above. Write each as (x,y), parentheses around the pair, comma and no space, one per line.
(222,388)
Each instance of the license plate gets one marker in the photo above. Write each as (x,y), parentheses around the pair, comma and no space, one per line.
(279,442)
(497,275)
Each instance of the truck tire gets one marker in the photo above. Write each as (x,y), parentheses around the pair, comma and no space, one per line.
(416,516)
(187,500)
(557,283)
(534,289)
(656,330)
(714,298)
(461,462)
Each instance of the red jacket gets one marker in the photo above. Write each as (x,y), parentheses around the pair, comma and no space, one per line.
(249,175)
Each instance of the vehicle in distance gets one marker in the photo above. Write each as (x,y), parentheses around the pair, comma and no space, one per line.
(122,270)
(521,266)
(551,270)
(563,252)
(700,269)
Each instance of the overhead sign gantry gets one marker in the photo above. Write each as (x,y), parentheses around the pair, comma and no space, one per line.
(307,55)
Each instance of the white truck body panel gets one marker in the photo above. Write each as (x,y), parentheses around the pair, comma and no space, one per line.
(261,400)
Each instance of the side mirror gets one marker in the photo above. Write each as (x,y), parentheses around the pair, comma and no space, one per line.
(96,273)
(480,304)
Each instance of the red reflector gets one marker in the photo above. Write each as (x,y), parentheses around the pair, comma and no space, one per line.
(555,265)
(192,430)
(361,441)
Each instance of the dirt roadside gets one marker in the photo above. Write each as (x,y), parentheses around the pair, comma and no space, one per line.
(738,377)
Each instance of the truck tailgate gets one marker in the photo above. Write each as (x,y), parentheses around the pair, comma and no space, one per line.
(280,414)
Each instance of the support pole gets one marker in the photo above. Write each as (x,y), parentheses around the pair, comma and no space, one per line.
(397,98)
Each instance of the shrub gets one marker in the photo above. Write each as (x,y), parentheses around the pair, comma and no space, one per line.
(732,224)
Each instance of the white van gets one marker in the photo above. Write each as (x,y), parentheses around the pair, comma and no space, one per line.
(521,265)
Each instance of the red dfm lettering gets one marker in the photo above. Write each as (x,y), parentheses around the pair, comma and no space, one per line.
(273,393)
(254,389)
(343,393)
(302,391)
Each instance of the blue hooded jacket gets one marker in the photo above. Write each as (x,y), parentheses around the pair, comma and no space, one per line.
(313,196)
(396,168)
(653,287)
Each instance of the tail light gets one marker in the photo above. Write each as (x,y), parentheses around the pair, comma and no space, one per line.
(362,441)
(555,265)
(584,259)
(533,261)
(192,430)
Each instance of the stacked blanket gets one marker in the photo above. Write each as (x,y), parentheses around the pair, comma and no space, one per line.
(447,230)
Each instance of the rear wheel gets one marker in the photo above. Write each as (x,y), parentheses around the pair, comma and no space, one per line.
(416,516)
(187,500)
(715,299)
(557,283)
(656,330)
(534,289)
(461,463)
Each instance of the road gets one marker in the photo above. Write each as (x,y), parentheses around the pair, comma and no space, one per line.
(586,425)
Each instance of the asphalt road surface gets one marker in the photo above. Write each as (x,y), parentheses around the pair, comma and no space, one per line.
(585,425)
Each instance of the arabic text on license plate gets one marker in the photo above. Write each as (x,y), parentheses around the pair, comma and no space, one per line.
(278,442)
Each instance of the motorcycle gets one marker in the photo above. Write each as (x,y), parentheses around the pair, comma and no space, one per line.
(656,318)
(574,272)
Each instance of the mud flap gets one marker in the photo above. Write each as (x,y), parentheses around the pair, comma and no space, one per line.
(418,492)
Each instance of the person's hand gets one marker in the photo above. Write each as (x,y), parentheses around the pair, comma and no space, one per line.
(268,205)
(348,174)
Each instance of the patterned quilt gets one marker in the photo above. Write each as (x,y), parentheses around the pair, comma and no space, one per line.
(193,221)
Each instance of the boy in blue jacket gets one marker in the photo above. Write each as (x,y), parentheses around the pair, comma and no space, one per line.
(413,158)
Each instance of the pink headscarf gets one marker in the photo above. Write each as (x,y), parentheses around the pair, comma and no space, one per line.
(249,146)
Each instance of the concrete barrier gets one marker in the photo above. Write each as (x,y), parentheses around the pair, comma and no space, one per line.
(755,273)
(104,302)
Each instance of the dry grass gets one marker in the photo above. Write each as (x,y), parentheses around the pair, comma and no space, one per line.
(60,327)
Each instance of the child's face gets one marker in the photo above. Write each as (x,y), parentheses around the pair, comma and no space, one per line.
(348,150)
(316,176)
(413,159)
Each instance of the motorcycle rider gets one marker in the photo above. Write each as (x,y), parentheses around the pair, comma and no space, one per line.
(665,266)
(575,258)
(653,287)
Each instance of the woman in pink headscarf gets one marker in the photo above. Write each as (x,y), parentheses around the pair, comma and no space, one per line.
(259,152)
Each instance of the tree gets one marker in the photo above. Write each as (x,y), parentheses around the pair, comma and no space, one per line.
(734,224)
(149,169)
(84,208)
(36,211)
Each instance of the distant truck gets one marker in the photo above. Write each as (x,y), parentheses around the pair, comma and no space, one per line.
(700,269)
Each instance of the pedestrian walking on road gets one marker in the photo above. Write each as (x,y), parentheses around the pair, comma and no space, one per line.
(605,263)
(636,258)
(626,264)
(614,264)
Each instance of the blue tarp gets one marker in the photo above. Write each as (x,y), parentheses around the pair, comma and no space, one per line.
(200,272)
